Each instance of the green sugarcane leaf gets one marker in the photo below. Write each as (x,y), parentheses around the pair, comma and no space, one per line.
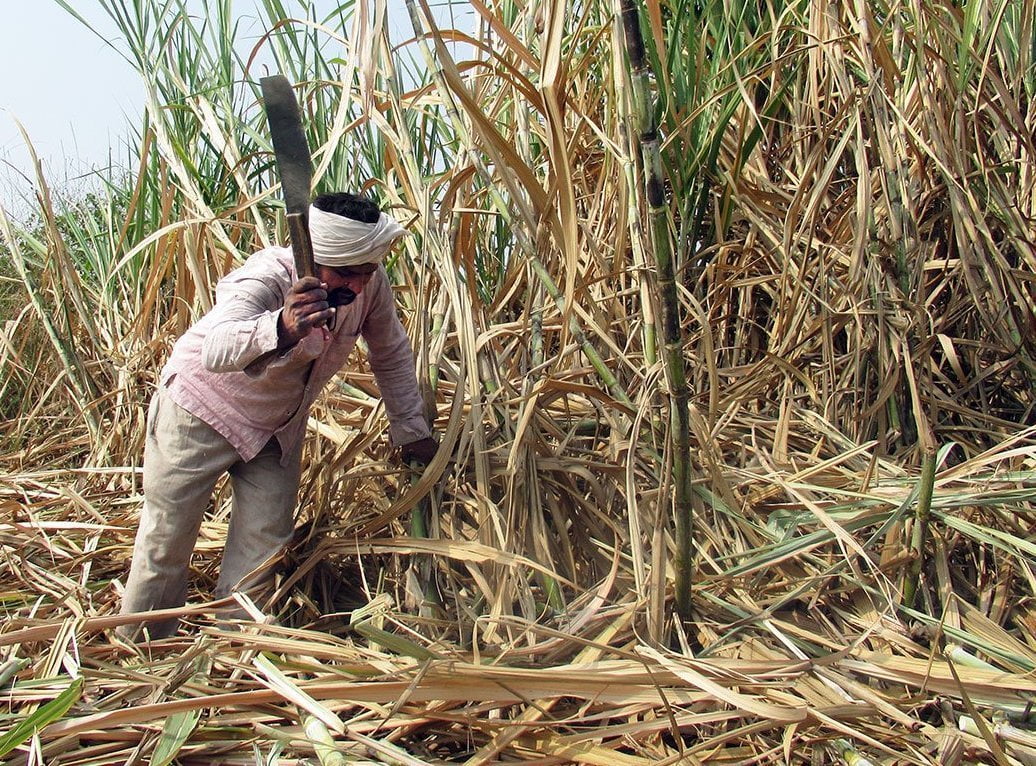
(176,731)
(392,642)
(45,715)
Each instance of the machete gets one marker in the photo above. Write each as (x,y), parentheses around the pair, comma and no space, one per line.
(293,165)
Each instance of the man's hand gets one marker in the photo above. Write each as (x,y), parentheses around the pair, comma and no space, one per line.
(305,307)
(422,451)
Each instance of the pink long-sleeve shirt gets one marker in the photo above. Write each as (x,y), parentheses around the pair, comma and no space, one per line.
(213,373)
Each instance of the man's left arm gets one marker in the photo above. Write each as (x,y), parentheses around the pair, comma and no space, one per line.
(392,361)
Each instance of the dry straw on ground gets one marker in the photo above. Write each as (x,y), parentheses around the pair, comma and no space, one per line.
(850,206)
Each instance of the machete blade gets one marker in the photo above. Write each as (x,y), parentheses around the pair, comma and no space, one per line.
(293,164)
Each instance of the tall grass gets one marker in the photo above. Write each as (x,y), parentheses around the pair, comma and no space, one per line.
(849,198)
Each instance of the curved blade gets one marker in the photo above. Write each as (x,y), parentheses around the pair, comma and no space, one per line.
(289,142)
(293,163)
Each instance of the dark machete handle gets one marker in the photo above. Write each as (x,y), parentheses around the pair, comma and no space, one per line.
(301,244)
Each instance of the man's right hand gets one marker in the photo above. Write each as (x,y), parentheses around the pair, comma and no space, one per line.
(305,307)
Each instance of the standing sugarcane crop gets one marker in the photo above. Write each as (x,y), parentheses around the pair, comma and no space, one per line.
(672,335)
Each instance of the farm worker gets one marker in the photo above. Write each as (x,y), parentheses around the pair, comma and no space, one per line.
(235,395)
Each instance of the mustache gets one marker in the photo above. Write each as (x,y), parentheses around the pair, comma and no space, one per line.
(341,296)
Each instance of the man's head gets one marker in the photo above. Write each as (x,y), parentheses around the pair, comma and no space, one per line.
(351,236)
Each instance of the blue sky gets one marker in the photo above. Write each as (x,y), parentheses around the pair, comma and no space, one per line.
(72,92)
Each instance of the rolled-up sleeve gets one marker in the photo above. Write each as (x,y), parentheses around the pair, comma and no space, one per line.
(392,362)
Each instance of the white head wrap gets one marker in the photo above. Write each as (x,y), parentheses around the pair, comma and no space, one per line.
(341,241)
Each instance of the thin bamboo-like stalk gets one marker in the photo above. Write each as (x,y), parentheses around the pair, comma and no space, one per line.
(672,334)
(922,515)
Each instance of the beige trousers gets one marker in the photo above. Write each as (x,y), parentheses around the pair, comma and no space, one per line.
(183,459)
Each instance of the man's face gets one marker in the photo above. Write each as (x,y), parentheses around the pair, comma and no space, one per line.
(344,283)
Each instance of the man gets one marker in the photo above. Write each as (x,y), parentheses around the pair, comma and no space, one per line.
(235,395)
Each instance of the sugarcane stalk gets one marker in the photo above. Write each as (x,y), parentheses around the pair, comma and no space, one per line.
(1003,731)
(922,515)
(421,515)
(957,654)
(323,744)
(427,371)
(11,668)
(1023,711)
(851,755)
(423,563)
(551,588)
(624,97)
(672,333)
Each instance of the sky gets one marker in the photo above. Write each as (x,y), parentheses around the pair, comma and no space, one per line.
(72,92)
